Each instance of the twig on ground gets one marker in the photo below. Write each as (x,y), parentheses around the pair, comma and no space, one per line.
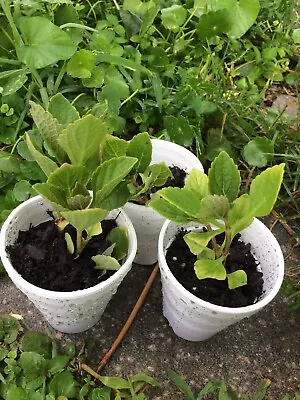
(129,321)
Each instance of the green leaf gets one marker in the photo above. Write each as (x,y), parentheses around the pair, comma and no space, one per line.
(23,190)
(79,201)
(82,138)
(173,17)
(49,129)
(70,244)
(240,215)
(113,147)
(62,110)
(52,194)
(114,382)
(117,197)
(14,83)
(9,329)
(108,175)
(100,394)
(68,177)
(259,152)
(57,364)
(46,164)
(81,64)
(210,269)
(260,394)
(155,175)
(106,262)
(33,365)
(9,163)
(237,279)
(158,91)
(296,35)
(140,147)
(64,384)
(197,241)
(224,177)
(120,61)
(16,393)
(181,385)
(197,181)
(213,207)
(36,342)
(144,379)
(214,23)
(175,204)
(243,16)
(82,219)
(264,190)
(45,43)
(119,237)
(179,130)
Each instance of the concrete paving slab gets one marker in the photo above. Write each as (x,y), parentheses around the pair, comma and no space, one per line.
(265,346)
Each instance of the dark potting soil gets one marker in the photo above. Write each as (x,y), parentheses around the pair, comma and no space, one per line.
(181,263)
(41,257)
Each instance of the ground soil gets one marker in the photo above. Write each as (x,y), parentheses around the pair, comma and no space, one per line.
(41,257)
(181,263)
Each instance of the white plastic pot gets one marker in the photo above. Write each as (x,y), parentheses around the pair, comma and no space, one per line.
(68,312)
(194,319)
(147,222)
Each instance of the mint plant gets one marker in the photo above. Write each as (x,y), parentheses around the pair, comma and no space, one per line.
(212,200)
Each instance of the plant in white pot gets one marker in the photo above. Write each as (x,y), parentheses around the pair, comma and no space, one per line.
(218,263)
(148,175)
(66,223)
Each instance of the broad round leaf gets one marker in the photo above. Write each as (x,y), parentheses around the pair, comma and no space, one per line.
(258,152)
(214,23)
(45,43)
(81,64)
(243,16)
(173,17)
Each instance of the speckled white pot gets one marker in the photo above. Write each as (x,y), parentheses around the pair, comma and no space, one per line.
(147,222)
(69,312)
(194,319)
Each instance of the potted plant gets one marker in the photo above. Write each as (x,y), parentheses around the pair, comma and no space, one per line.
(229,263)
(148,175)
(80,192)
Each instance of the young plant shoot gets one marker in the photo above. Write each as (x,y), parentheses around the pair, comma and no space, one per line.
(89,173)
(212,200)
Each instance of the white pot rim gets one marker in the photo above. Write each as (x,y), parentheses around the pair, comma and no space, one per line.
(213,307)
(15,276)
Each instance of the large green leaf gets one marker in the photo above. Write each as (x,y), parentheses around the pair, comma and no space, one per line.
(119,238)
(9,163)
(82,138)
(64,384)
(175,204)
(214,23)
(46,164)
(49,129)
(108,175)
(240,215)
(264,190)
(210,269)
(54,195)
(62,110)
(44,42)
(113,147)
(213,207)
(67,176)
(81,64)
(33,365)
(117,197)
(243,16)
(259,152)
(197,241)
(179,130)
(82,219)
(198,182)
(140,147)
(224,177)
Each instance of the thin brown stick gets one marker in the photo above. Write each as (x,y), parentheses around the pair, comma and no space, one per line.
(129,321)
(248,181)
(286,226)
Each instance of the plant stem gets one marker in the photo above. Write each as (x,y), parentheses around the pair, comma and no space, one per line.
(227,239)
(59,78)
(78,241)
(130,319)
(90,371)
(214,242)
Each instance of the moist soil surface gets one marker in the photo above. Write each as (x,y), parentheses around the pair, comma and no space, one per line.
(41,257)
(181,263)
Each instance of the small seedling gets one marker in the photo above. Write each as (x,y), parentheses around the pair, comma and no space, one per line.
(211,200)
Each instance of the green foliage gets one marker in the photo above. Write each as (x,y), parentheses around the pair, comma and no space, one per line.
(32,369)
(211,200)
